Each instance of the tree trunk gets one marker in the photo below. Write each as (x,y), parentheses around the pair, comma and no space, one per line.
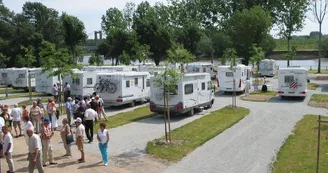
(168,117)
(319,60)
(165,116)
(288,48)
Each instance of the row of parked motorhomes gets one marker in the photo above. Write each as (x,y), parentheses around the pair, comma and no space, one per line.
(119,85)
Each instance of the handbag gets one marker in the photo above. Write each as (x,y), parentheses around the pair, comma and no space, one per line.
(69,138)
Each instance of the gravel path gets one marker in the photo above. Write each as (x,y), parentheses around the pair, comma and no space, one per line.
(251,145)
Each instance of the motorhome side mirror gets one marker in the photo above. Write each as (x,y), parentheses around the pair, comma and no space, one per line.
(308,81)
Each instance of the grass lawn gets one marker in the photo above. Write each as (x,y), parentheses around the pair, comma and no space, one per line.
(126,117)
(192,135)
(11,90)
(22,95)
(259,96)
(299,153)
(316,72)
(312,86)
(319,100)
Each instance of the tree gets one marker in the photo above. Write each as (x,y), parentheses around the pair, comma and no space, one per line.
(205,46)
(319,9)
(74,34)
(177,54)
(128,12)
(291,18)
(246,28)
(141,52)
(230,55)
(257,57)
(96,60)
(152,28)
(324,47)
(291,54)
(167,81)
(113,20)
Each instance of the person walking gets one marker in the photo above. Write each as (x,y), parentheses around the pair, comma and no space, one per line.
(69,109)
(64,131)
(35,114)
(16,113)
(55,92)
(53,113)
(46,144)
(103,138)
(80,131)
(8,146)
(100,110)
(27,125)
(89,116)
(25,112)
(67,91)
(35,151)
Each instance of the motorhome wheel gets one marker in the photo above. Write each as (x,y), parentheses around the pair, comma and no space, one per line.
(191,112)
(133,103)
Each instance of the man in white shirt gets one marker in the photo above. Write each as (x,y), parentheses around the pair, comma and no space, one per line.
(8,146)
(16,114)
(89,116)
(79,138)
(35,151)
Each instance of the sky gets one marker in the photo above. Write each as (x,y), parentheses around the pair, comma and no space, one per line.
(90,12)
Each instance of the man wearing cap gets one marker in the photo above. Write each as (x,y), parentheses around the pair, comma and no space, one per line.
(89,116)
(16,113)
(80,130)
(34,151)
(8,148)
(35,114)
(47,149)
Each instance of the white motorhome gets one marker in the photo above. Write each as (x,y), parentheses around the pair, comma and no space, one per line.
(226,76)
(21,78)
(151,69)
(8,76)
(202,68)
(44,82)
(83,83)
(267,67)
(292,82)
(194,91)
(111,68)
(119,88)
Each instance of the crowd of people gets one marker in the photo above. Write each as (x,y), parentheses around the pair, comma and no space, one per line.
(40,123)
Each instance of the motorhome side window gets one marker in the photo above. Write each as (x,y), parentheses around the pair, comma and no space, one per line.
(148,83)
(189,88)
(204,69)
(203,86)
(127,84)
(77,81)
(229,74)
(89,81)
(136,81)
(21,76)
(289,79)
(32,75)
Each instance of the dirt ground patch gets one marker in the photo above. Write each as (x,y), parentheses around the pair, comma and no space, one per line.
(318,104)
(93,163)
(256,98)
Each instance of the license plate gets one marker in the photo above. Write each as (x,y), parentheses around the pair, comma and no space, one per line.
(110,102)
(229,88)
(291,92)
